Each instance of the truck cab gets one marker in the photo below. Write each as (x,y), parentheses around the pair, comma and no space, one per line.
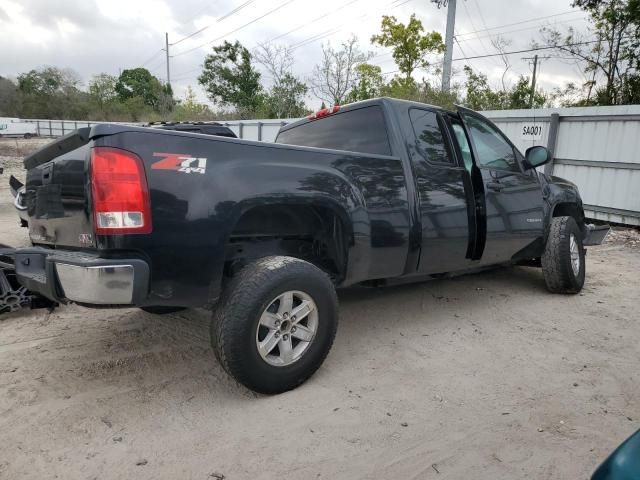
(472,198)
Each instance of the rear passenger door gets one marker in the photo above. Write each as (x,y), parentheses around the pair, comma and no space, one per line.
(513,197)
(440,183)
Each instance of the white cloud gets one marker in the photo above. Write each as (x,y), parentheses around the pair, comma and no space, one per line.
(92,36)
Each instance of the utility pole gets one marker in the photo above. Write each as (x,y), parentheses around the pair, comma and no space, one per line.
(533,80)
(166,39)
(448,54)
(536,59)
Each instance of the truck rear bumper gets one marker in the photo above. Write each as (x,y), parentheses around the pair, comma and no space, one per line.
(85,278)
(100,285)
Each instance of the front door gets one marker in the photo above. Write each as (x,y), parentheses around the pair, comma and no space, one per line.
(513,197)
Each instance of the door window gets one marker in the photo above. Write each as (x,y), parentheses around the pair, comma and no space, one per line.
(461,137)
(492,149)
(429,140)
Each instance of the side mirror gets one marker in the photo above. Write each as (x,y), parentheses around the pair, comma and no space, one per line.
(536,156)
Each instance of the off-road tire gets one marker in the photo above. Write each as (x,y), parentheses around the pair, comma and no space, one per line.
(236,317)
(558,273)
(162,310)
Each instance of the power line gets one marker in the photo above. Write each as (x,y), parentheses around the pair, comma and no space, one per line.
(218,20)
(484,24)
(536,49)
(277,37)
(464,4)
(318,36)
(521,29)
(517,23)
(201,11)
(150,59)
(237,29)
(513,52)
(331,12)
(459,46)
(337,29)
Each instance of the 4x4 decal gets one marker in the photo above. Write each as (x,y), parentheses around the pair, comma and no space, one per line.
(180,162)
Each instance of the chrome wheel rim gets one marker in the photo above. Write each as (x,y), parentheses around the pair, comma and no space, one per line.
(287,327)
(575,254)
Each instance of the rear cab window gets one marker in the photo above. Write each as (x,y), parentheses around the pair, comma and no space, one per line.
(360,130)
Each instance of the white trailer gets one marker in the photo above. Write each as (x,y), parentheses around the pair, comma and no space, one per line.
(14,127)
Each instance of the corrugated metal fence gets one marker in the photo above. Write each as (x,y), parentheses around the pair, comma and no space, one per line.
(597,148)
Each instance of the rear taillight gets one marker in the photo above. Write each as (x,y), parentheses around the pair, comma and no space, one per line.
(120,194)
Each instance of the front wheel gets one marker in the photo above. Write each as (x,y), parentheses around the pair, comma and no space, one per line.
(275,323)
(563,260)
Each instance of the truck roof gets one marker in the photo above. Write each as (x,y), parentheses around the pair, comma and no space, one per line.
(364,103)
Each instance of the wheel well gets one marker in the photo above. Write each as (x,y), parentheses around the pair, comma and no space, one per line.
(317,234)
(569,209)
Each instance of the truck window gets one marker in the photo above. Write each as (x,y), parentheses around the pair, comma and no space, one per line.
(461,137)
(429,139)
(361,130)
(492,149)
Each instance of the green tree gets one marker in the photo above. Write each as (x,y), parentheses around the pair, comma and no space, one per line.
(43,83)
(102,89)
(230,79)
(612,62)
(138,82)
(424,92)
(9,98)
(479,95)
(286,97)
(51,93)
(190,109)
(519,96)
(409,43)
(369,82)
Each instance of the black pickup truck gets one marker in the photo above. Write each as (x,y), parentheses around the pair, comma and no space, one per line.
(372,193)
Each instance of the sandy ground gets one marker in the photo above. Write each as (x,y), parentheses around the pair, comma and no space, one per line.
(485,376)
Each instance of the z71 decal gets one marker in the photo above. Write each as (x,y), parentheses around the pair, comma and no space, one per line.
(180,162)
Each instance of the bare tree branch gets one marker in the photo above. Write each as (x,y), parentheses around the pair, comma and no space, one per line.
(335,76)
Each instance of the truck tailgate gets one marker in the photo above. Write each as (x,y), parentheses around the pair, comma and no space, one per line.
(56,192)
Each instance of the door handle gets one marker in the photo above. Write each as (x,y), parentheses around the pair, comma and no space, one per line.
(495,186)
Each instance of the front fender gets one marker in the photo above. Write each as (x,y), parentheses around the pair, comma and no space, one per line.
(562,198)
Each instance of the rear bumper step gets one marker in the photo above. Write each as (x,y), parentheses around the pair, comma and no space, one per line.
(84,278)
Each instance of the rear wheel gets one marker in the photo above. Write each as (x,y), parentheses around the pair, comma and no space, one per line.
(275,323)
(563,260)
